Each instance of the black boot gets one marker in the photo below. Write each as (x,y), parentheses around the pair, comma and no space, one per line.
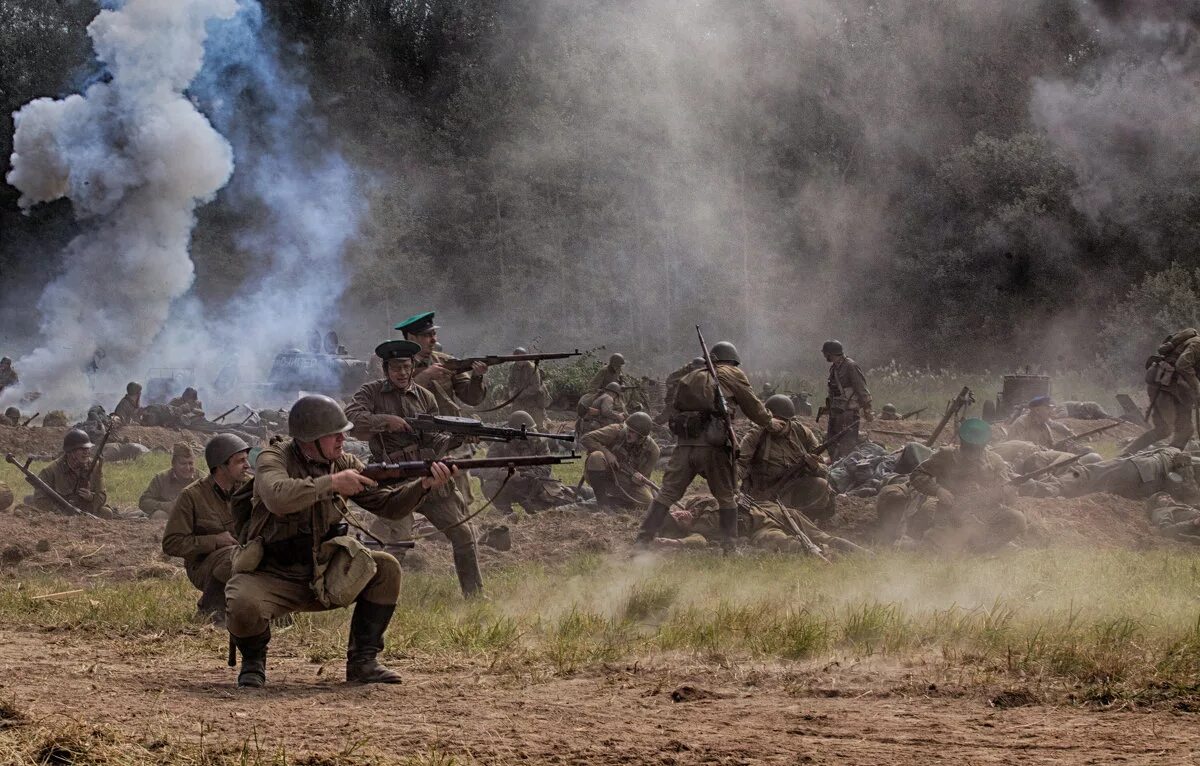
(253,674)
(601,484)
(367,627)
(211,605)
(466,565)
(656,514)
(729,529)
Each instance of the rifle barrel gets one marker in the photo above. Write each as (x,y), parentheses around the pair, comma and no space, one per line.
(37,482)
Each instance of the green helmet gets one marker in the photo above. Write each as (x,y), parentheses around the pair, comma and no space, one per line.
(314,416)
(975,431)
(640,422)
(613,387)
(833,348)
(519,419)
(889,409)
(132,388)
(76,439)
(725,352)
(12,412)
(616,360)
(222,447)
(781,406)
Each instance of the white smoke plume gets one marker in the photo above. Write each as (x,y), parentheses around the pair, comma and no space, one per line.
(135,157)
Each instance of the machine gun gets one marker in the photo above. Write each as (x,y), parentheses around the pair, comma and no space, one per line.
(464,365)
(394,473)
(226,414)
(37,482)
(719,403)
(964,399)
(1064,442)
(472,428)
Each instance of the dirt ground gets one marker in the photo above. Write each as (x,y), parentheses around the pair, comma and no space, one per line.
(614,715)
(24,442)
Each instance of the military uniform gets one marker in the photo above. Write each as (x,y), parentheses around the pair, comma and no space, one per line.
(848,397)
(8,376)
(525,384)
(671,386)
(8,420)
(162,492)
(605,375)
(1173,400)
(756,527)
(1027,428)
(1025,456)
(466,387)
(1135,476)
(187,407)
(981,517)
(609,409)
(613,483)
(1173,519)
(67,481)
(196,520)
(295,509)
(768,466)
(533,487)
(127,409)
(446,506)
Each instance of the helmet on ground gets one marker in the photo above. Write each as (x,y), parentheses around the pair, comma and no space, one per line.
(613,387)
(640,422)
(616,360)
(76,439)
(314,416)
(725,352)
(781,406)
(520,418)
(222,447)
(975,431)
(832,347)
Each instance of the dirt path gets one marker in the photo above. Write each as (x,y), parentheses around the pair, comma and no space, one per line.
(613,716)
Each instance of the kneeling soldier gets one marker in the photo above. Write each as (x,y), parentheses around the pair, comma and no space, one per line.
(297,556)
(620,459)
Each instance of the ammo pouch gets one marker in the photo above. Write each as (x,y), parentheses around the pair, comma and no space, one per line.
(1159,372)
(247,557)
(344,567)
(689,425)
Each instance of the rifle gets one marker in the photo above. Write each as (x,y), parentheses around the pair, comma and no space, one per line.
(445,424)
(99,454)
(786,522)
(222,416)
(719,402)
(464,365)
(908,415)
(393,473)
(29,420)
(37,482)
(964,399)
(1022,478)
(1064,442)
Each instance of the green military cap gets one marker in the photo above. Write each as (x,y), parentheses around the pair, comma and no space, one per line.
(975,431)
(397,349)
(417,324)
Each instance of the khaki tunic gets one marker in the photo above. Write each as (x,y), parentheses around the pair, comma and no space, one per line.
(534,487)
(197,519)
(67,481)
(759,529)
(975,522)
(464,386)
(605,375)
(847,386)
(127,410)
(1026,428)
(525,383)
(163,490)
(765,460)
(640,456)
(379,398)
(1135,477)
(1176,521)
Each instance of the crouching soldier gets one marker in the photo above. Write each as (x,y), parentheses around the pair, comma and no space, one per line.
(200,523)
(783,466)
(620,459)
(296,554)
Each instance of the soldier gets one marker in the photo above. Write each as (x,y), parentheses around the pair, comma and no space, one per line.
(609,373)
(73,477)
(55,419)
(11,417)
(299,503)
(603,409)
(889,412)
(130,405)
(164,488)
(973,491)
(8,376)
(1173,389)
(848,399)
(698,528)
(1166,469)
(1024,456)
(671,385)
(377,412)
(621,457)
(187,406)
(703,448)
(1172,519)
(1034,424)
(200,525)
(528,391)
(781,466)
(470,388)
(534,487)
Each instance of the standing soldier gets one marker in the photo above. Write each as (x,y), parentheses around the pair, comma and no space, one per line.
(620,459)
(528,393)
(470,388)
(200,526)
(164,488)
(848,397)
(131,404)
(782,467)
(298,510)
(74,476)
(378,413)
(609,373)
(8,376)
(703,448)
(1173,388)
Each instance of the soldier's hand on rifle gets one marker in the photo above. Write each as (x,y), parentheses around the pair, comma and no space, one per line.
(478,369)
(609,457)
(945,497)
(350,482)
(84,494)
(395,423)
(638,478)
(440,475)
(225,539)
(777,426)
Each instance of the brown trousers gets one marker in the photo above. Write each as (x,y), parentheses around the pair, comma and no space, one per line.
(215,565)
(1172,417)
(689,461)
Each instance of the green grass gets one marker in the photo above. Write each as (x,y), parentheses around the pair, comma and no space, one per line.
(1116,624)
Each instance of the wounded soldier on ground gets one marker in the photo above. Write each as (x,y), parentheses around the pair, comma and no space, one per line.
(620,459)
(698,525)
(782,466)
(1173,519)
(533,487)
(1165,469)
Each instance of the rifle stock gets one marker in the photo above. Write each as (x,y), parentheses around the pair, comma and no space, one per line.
(37,482)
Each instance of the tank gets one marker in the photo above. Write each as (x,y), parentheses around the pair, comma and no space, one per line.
(1016,391)
(336,375)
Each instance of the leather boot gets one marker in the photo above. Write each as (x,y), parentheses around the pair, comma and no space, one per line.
(253,674)
(656,514)
(466,566)
(367,627)
(729,528)
(601,484)
(211,605)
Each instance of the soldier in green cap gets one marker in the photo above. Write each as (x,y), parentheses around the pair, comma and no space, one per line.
(378,412)
(974,494)
(469,388)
